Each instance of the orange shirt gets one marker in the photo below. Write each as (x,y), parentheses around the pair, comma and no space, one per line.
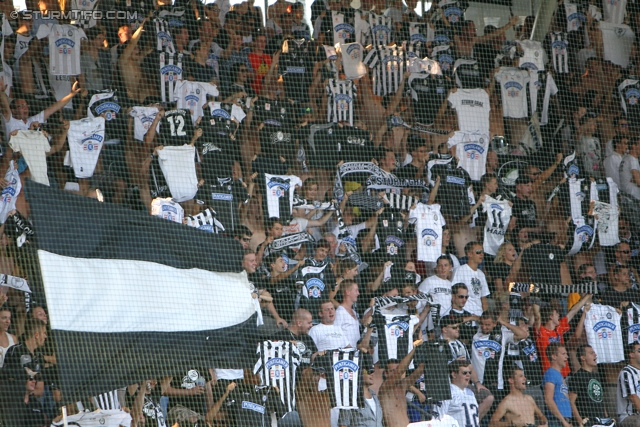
(545,336)
(260,65)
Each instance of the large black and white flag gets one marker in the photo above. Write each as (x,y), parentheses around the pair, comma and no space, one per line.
(132,297)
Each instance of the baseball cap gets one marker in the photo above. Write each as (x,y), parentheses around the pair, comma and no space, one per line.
(449,321)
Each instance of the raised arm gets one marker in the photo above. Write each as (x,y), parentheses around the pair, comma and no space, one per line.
(75,89)
(133,43)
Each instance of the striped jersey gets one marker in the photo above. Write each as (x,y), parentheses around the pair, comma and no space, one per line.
(64,48)
(559,52)
(205,221)
(276,365)
(631,323)
(170,72)
(344,378)
(341,105)
(395,335)
(388,64)
(628,384)
(381,27)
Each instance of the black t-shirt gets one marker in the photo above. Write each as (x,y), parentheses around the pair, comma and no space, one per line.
(544,260)
(409,171)
(497,271)
(467,329)
(525,213)
(614,298)
(176,128)
(305,345)
(186,380)
(252,406)
(18,414)
(588,386)
(431,90)
(217,155)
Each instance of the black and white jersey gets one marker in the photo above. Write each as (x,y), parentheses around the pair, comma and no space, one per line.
(170,72)
(323,146)
(112,105)
(542,87)
(296,66)
(252,406)
(498,217)
(344,377)
(381,27)
(488,353)
(458,351)
(107,401)
(176,128)
(225,196)
(629,92)
(388,64)
(631,323)
(206,221)
(221,119)
(628,381)
(279,193)
(341,104)
(428,91)
(392,236)
(276,365)
(559,52)
(164,41)
(467,73)
(99,418)
(317,280)
(445,57)
(187,379)
(395,335)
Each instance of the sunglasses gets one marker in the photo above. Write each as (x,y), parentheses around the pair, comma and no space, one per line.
(479,252)
(625,252)
(453,326)
(370,371)
(34,378)
(465,373)
(463,296)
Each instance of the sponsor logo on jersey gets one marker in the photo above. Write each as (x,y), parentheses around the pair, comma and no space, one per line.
(315,287)
(381,32)
(219,112)
(531,352)
(573,170)
(583,233)
(170,72)
(347,367)
(110,109)
(276,367)
(474,151)
(253,407)
(272,122)
(222,196)
(455,180)
(8,193)
(529,65)
(429,237)
(192,100)
(418,38)
(343,31)
(576,19)
(65,46)
(513,88)
(453,14)
(632,96)
(445,61)
(604,329)
(559,47)
(487,348)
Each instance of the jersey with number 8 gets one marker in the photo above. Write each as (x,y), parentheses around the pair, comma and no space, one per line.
(176,128)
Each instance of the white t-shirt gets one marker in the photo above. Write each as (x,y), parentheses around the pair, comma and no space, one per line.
(463,407)
(8,198)
(429,223)
(349,325)
(142,119)
(550,90)
(193,96)
(99,418)
(612,166)
(629,163)
(617,40)
(472,107)
(614,10)
(440,291)
(33,145)
(86,138)
(328,337)
(498,217)
(64,48)
(604,333)
(476,283)
(534,56)
(513,87)
(352,56)
(471,151)
(167,209)
(179,169)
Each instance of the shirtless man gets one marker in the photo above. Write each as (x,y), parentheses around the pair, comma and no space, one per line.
(393,390)
(517,409)
(130,63)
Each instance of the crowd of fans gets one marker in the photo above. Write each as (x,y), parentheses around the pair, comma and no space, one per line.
(399,184)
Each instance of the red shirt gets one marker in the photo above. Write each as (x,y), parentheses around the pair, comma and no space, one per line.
(261,65)
(544,337)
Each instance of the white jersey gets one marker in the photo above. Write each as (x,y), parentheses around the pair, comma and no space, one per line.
(99,418)
(614,10)
(193,96)
(617,40)
(463,407)
(33,145)
(352,57)
(10,193)
(276,365)
(342,31)
(534,56)
(142,119)
(179,169)
(513,87)
(472,107)
(607,217)
(440,291)
(64,48)
(443,420)
(476,283)
(604,334)
(86,138)
(559,52)
(575,19)
(550,89)
(341,104)
(628,381)
(632,323)
(490,348)
(429,223)
(167,209)
(280,190)
(22,45)
(328,337)
(471,151)
(498,217)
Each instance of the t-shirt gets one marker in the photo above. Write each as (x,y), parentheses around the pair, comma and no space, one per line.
(544,337)
(440,291)
(85,137)
(193,96)
(560,393)
(472,108)
(64,48)
(590,393)
(142,119)
(179,169)
(328,337)
(525,213)
(628,381)
(614,10)
(33,145)
(617,40)
(629,163)
(476,283)
(463,407)
(429,91)
(471,151)
(488,355)
(15,124)
(513,87)
(613,298)
(428,230)
(176,128)
(349,325)
(534,56)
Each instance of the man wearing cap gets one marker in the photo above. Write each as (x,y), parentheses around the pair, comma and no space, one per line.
(524,209)
(371,414)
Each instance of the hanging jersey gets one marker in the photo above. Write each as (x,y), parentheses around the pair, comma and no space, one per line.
(317,281)
(343,31)
(529,361)
(276,365)
(391,235)
(419,65)
(498,218)
(280,191)
(513,87)
(444,55)
(22,45)
(487,355)
(559,52)
(170,73)
(380,27)
(167,209)
(428,91)
(467,74)
(429,223)
(176,128)
(453,11)
(542,87)
(340,107)
(9,194)
(472,108)
(453,194)
(471,151)
(352,57)
(179,169)
(110,104)
(205,221)
(252,406)
(440,291)
(631,323)
(607,217)
(604,334)
(575,18)
(344,378)
(221,119)
(533,57)
(164,42)
(217,155)
(629,92)
(388,65)
(64,48)
(617,40)
(354,145)
(297,69)
(85,138)
(142,119)
(193,96)
(99,418)
(614,10)
(463,407)
(395,335)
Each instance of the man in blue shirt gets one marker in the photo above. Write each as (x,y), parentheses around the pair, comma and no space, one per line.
(556,391)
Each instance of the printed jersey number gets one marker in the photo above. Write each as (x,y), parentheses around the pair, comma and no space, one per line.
(176,122)
(471,415)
